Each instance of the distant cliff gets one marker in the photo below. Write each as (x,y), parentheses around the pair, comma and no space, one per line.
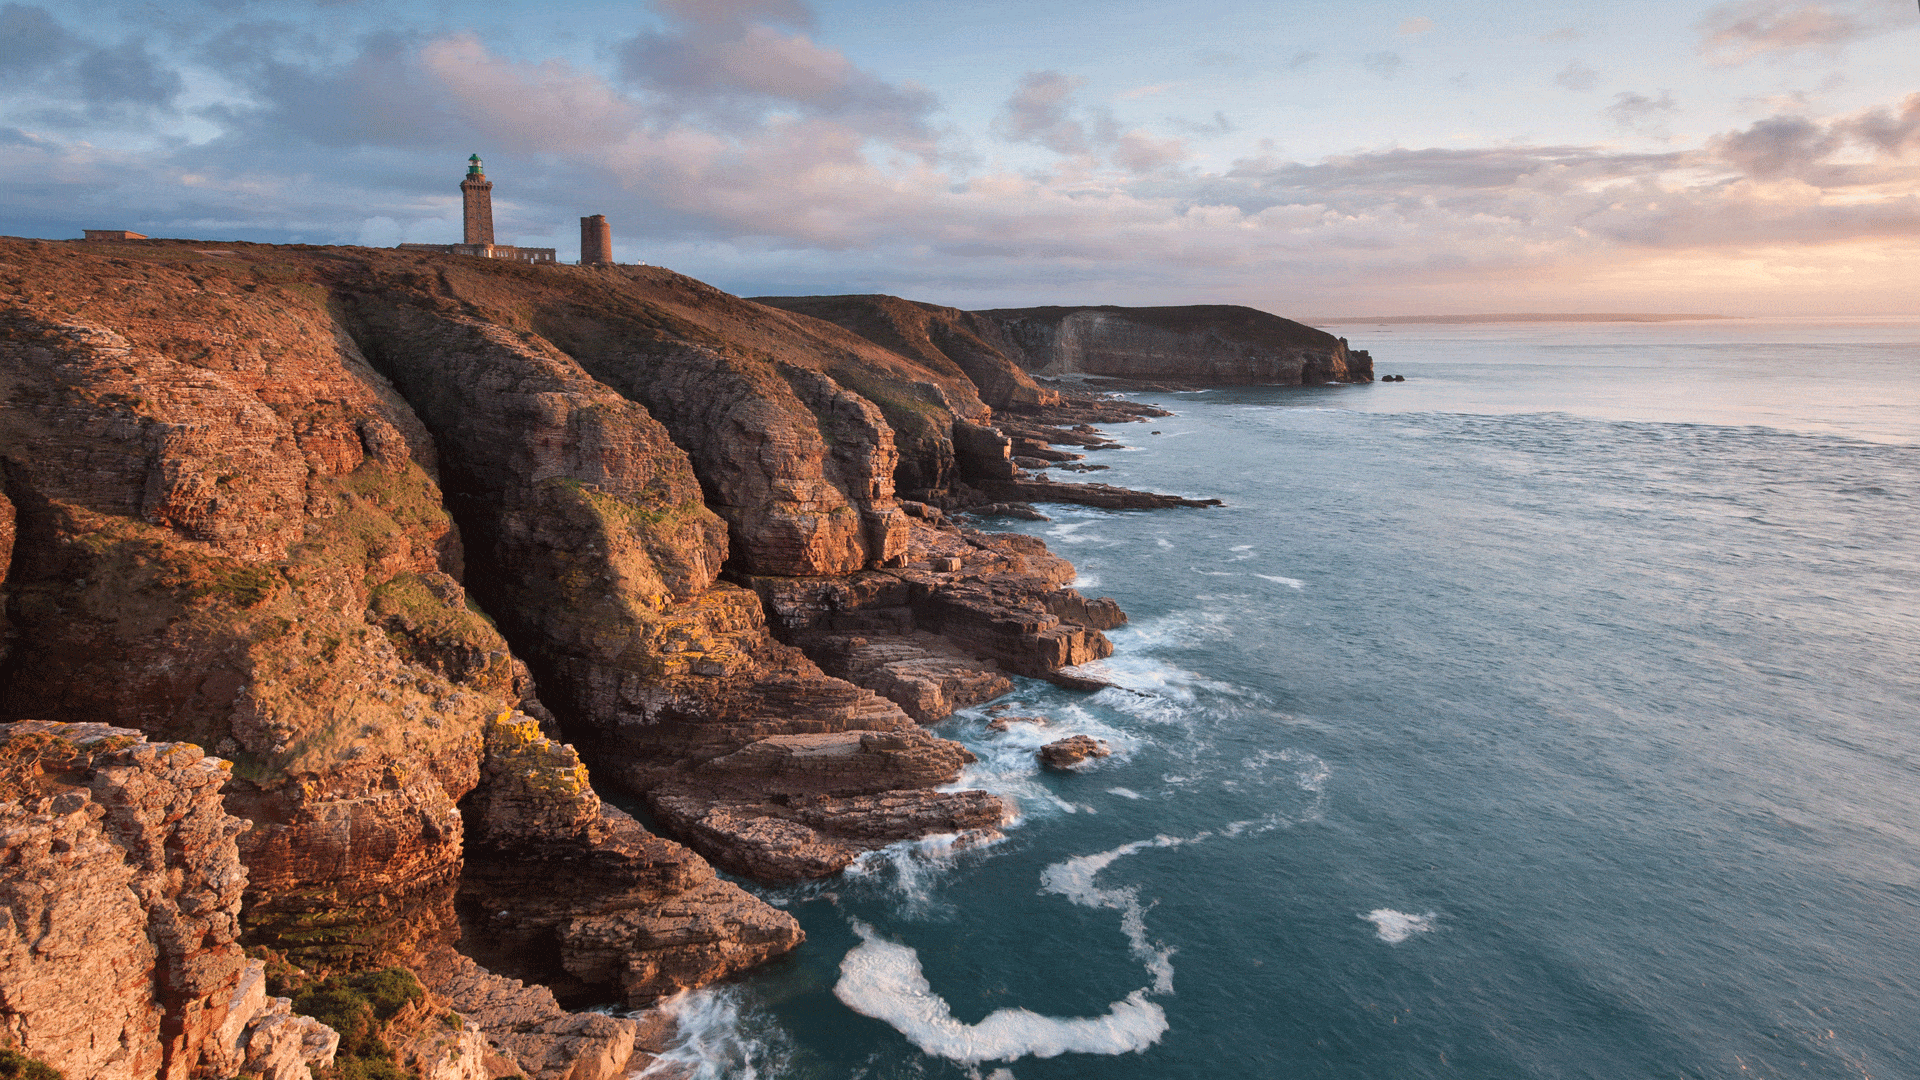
(1210,344)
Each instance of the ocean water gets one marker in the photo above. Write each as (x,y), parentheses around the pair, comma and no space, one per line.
(1554,713)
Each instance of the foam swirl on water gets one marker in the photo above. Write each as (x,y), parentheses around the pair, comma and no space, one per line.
(1073,879)
(881,979)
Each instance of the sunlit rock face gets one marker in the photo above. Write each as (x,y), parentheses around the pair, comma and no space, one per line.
(120,882)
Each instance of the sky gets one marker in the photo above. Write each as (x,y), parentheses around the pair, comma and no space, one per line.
(1750,157)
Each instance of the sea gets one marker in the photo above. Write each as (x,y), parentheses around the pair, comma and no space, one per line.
(1553,713)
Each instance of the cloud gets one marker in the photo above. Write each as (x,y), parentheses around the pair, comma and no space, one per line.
(738,13)
(1139,153)
(1301,59)
(1578,77)
(59,79)
(1039,112)
(1419,24)
(1886,130)
(1042,111)
(1218,125)
(1563,35)
(723,58)
(379,95)
(1640,113)
(1384,64)
(528,108)
(1777,147)
(127,75)
(1733,33)
(31,40)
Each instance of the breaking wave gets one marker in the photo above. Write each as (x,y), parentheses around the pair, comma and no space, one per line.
(718,1036)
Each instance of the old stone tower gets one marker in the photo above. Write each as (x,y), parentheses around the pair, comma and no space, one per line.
(596,241)
(477,192)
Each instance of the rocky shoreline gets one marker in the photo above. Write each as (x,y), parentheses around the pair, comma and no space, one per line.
(366,562)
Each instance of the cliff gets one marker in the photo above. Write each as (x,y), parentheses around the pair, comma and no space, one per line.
(1199,345)
(1213,345)
(434,549)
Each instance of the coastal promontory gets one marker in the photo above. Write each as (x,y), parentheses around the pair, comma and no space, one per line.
(396,643)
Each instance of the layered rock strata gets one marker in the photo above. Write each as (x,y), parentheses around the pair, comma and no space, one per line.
(120,887)
(565,889)
(526,1032)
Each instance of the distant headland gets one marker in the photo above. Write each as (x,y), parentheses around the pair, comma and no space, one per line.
(1514,317)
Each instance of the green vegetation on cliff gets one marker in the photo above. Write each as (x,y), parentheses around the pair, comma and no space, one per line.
(362,1008)
(15,1065)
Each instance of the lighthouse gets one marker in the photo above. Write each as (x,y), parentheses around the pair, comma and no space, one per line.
(476,191)
(476,197)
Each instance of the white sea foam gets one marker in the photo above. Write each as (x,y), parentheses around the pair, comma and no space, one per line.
(911,868)
(1125,793)
(1183,628)
(884,980)
(1007,762)
(1164,543)
(1084,580)
(1069,533)
(1255,826)
(1394,927)
(1241,551)
(717,1036)
(1074,879)
(1291,583)
(1311,773)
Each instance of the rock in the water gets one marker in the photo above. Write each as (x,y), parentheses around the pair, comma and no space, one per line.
(1072,750)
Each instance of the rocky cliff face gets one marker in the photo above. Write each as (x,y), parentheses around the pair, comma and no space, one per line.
(576,894)
(120,887)
(330,513)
